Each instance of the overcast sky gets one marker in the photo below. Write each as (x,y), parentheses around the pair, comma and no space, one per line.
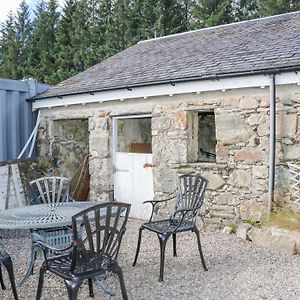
(7,5)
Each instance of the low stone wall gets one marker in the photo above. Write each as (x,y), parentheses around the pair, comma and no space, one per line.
(271,237)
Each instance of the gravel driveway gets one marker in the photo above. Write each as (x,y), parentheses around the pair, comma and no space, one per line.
(236,270)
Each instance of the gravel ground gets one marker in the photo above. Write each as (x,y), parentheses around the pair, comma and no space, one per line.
(236,270)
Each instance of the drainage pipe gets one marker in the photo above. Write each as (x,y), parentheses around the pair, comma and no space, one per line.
(272,141)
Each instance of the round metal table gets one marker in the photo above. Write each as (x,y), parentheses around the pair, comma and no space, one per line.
(42,215)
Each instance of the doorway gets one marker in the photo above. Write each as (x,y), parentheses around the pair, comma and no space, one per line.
(133,177)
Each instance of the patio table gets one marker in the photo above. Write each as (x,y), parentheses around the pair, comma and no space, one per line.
(41,216)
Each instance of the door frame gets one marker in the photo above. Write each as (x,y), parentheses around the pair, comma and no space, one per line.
(115,120)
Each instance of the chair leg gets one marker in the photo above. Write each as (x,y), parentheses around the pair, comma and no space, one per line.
(8,265)
(119,272)
(174,245)
(162,241)
(103,287)
(41,283)
(195,229)
(91,287)
(138,246)
(1,279)
(72,288)
(31,265)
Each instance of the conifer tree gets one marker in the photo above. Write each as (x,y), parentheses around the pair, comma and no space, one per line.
(212,12)
(68,41)
(274,7)
(9,50)
(95,50)
(23,30)
(245,9)
(169,17)
(41,59)
(112,34)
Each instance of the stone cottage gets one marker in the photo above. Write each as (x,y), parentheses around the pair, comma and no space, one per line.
(223,101)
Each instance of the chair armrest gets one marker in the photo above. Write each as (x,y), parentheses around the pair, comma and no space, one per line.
(155,202)
(183,212)
(158,201)
(45,247)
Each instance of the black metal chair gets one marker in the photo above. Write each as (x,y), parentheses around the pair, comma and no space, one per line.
(97,236)
(188,200)
(5,259)
(51,190)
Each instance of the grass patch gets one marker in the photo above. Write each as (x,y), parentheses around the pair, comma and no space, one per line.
(233,227)
(258,224)
(285,219)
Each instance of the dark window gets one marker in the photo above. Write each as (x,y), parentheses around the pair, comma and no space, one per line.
(206,137)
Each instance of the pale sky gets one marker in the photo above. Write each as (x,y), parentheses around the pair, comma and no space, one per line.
(7,5)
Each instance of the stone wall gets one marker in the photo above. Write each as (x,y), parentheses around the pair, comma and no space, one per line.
(238,181)
(66,141)
(238,187)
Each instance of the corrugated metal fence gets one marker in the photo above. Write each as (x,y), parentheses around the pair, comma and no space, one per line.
(16,117)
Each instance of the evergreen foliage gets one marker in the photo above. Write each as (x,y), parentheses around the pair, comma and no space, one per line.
(274,7)
(213,12)
(52,44)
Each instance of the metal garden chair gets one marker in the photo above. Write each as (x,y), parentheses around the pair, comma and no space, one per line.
(97,236)
(5,259)
(188,200)
(48,190)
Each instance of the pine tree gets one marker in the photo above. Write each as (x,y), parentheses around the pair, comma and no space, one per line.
(112,34)
(245,9)
(188,6)
(274,7)
(23,29)
(125,23)
(69,41)
(95,51)
(9,50)
(213,12)
(41,58)
(170,17)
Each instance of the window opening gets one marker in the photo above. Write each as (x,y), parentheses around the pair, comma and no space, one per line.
(134,135)
(206,137)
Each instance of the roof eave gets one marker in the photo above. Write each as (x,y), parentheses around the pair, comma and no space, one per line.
(270,71)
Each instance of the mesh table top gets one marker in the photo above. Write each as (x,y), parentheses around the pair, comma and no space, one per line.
(42,215)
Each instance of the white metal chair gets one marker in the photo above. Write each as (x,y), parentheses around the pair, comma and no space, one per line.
(49,190)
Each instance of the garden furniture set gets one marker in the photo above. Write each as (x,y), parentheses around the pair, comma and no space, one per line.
(81,240)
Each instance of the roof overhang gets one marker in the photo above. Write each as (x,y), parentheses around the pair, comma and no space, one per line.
(167,89)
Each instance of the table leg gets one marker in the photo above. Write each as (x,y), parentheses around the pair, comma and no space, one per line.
(29,272)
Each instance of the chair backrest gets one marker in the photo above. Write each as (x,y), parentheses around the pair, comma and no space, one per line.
(190,194)
(97,234)
(51,189)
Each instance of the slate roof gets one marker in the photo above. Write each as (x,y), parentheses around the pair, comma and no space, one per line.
(255,45)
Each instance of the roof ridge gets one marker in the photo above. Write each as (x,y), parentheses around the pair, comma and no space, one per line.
(218,26)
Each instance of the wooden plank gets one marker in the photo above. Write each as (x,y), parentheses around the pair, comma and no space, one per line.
(3,186)
(11,188)
(18,187)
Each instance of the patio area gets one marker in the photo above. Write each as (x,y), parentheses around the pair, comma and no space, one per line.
(236,270)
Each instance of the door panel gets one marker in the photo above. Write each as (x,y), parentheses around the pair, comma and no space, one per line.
(134,182)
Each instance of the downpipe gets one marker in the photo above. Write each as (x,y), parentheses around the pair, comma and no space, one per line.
(272,142)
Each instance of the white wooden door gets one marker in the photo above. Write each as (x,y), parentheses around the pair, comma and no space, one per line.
(134,182)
